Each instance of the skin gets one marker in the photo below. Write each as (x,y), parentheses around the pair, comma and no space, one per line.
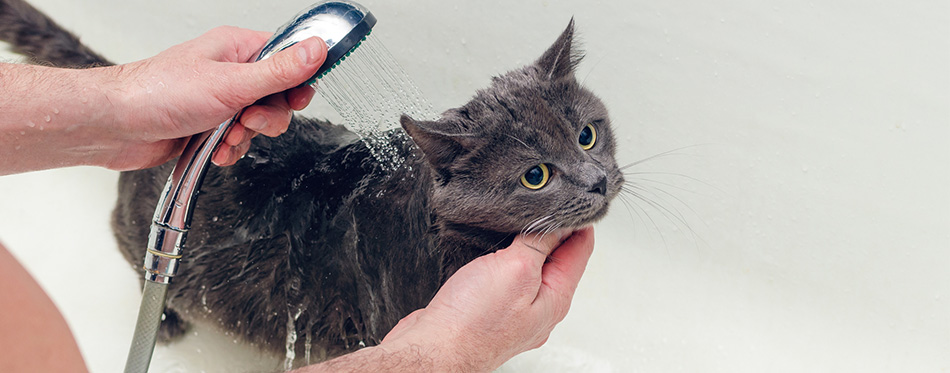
(34,336)
(139,115)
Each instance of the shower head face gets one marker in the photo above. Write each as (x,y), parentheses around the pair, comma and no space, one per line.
(341,24)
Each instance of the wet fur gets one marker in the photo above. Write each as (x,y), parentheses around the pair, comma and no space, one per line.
(309,228)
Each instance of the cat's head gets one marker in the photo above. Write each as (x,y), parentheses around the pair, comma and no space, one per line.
(532,151)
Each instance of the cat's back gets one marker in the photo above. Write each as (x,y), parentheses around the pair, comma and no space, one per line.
(250,196)
(308,218)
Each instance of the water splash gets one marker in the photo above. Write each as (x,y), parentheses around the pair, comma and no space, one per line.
(371,91)
(307,345)
(291,339)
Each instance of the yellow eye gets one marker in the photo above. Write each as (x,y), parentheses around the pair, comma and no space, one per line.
(588,137)
(536,177)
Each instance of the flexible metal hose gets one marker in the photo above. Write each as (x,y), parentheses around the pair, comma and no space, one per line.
(146,327)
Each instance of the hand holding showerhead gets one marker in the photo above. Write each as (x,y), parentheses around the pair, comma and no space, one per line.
(342,25)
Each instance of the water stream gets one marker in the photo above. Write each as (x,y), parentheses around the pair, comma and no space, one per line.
(370,91)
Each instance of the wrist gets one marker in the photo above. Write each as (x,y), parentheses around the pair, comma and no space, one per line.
(87,116)
(51,118)
(397,357)
(436,349)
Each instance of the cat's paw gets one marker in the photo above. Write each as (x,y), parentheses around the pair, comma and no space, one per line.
(172,327)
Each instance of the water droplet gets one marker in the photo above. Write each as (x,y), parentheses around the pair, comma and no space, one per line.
(214,218)
(55,111)
(47,118)
(30,124)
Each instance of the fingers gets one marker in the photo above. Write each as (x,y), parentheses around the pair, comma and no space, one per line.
(278,78)
(270,116)
(568,261)
(299,97)
(541,243)
(228,155)
(231,44)
(284,70)
(237,135)
(561,274)
(520,264)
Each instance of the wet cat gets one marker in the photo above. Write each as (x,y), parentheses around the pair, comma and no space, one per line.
(309,234)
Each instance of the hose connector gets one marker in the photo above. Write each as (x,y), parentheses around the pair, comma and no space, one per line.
(163,252)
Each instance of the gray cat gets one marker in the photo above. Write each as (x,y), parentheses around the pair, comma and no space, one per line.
(309,233)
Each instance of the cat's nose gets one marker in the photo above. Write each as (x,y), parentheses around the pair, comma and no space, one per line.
(600,187)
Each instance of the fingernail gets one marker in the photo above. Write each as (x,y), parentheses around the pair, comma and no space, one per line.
(256,122)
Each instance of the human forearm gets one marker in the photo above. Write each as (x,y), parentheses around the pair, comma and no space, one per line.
(390,358)
(54,117)
(141,114)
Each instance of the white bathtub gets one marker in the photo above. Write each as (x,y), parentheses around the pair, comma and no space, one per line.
(813,189)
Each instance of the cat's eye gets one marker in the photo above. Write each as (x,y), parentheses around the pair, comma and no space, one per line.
(536,177)
(588,137)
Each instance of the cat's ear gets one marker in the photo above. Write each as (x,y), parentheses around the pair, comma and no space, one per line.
(440,141)
(562,57)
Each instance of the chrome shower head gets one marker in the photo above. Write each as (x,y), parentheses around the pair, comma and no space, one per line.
(343,25)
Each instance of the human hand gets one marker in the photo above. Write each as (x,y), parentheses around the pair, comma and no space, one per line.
(141,114)
(499,305)
(195,86)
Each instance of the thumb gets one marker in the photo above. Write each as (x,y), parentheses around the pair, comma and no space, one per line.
(285,69)
(543,243)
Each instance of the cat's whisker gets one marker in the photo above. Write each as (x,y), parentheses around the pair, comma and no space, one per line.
(656,227)
(543,227)
(670,185)
(519,140)
(656,196)
(639,174)
(668,194)
(631,209)
(537,223)
(584,81)
(660,155)
(672,214)
(550,228)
